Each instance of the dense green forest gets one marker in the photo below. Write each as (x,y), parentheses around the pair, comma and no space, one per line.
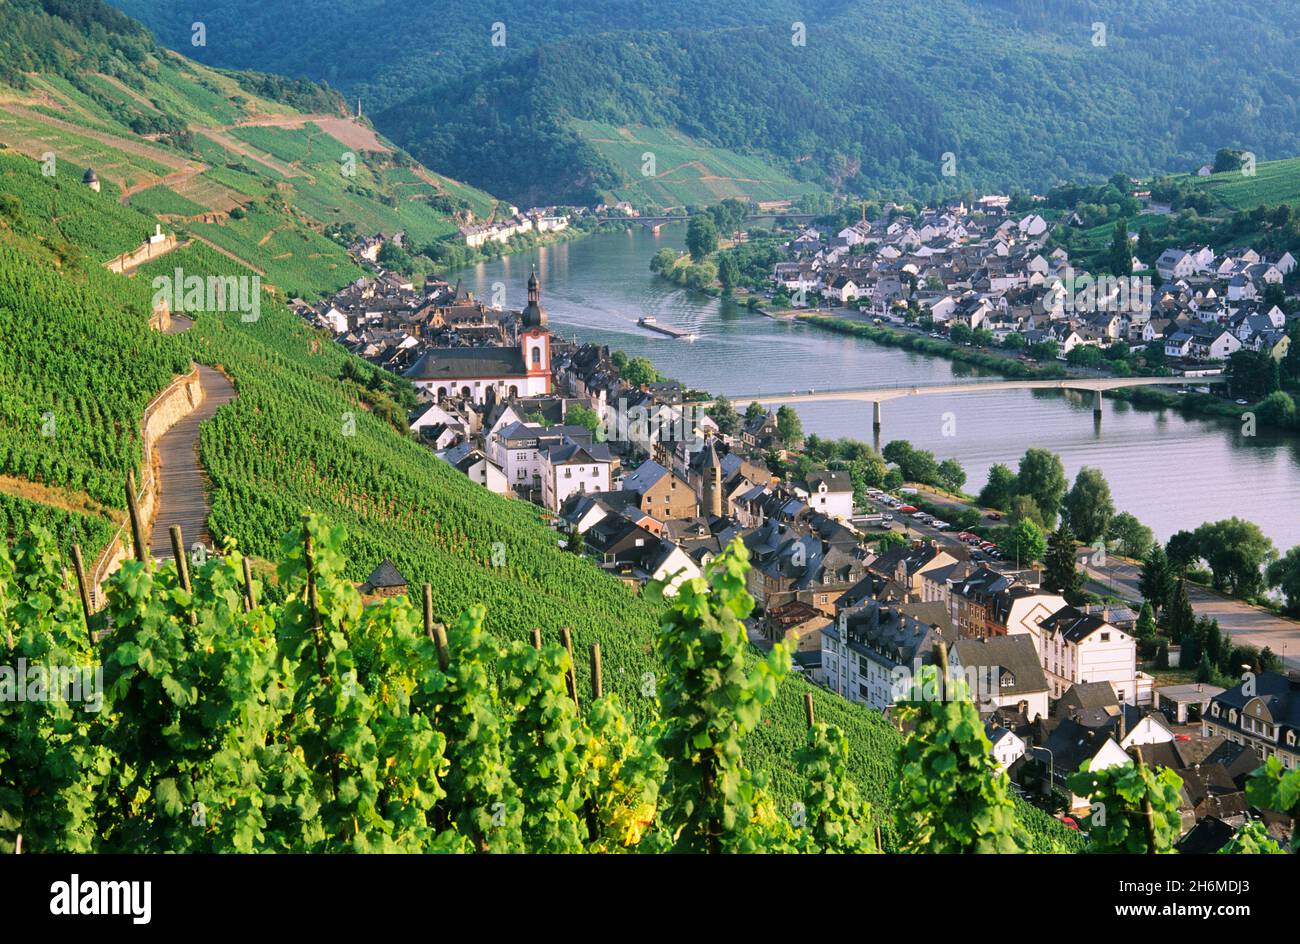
(872,100)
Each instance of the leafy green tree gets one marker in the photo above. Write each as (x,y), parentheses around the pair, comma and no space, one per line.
(1130,537)
(1237,552)
(754,411)
(789,426)
(1088,506)
(1120,256)
(1178,615)
(701,237)
(724,414)
(952,796)
(1182,550)
(1000,488)
(663,261)
(1284,573)
(1134,808)
(1024,508)
(579,415)
(1042,478)
(1025,542)
(640,371)
(1060,573)
(951,475)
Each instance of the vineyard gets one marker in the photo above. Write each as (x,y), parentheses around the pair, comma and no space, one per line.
(78,363)
(299,438)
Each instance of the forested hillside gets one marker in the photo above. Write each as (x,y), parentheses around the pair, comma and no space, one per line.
(872,101)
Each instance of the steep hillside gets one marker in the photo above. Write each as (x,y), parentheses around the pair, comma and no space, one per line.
(298,438)
(251,163)
(873,99)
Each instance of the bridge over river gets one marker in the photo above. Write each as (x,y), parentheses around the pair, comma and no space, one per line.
(878,395)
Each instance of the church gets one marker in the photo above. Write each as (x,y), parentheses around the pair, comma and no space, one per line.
(492,374)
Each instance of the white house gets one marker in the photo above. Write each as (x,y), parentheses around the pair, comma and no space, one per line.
(1077,647)
(567,468)
(830,493)
(1007,748)
(477,467)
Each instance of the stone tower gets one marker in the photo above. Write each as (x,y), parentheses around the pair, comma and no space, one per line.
(711,489)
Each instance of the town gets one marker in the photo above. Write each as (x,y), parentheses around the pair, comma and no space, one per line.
(980,275)
(631,471)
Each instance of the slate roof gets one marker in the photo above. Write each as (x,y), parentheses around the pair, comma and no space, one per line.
(1014,658)
(385,576)
(466,363)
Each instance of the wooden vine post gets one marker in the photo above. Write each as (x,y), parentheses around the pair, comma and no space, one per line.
(83,587)
(250,595)
(137,525)
(183,568)
(571,678)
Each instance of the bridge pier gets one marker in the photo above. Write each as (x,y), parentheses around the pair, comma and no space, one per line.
(875,415)
(1096,403)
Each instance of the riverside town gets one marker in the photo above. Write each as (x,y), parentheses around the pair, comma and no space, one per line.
(531,429)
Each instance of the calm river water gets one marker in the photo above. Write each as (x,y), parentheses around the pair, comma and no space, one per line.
(1170,471)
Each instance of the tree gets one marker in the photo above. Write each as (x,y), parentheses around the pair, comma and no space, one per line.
(579,415)
(951,475)
(640,371)
(890,540)
(754,411)
(1024,508)
(1156,582)
(1042,478)
(724,414)
(1284,573)
(663,261)
(728,272)
(1179,617)
(701,237)
(1237,551)
(999,489)
(1025,543)
(1060,575)
(1130,537)
(1120,257)
(789,426)
(1146,624)
(1088,506)
(1182,550)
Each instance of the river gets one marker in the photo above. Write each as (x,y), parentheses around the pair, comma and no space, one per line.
(1172,472)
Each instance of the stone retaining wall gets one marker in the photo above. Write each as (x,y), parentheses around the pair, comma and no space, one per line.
(176,401)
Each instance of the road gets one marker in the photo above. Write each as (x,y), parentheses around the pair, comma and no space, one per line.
(1244,623)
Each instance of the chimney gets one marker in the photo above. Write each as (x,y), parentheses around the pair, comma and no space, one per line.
(1123,724)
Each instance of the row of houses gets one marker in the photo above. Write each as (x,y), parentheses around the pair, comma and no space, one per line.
(986,270)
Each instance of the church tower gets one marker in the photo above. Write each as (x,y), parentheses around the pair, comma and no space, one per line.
(535,339)
(711,488)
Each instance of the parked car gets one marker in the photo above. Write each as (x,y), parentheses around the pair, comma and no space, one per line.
(908,509)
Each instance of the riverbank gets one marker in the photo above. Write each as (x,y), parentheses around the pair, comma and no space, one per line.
(1010,367)
(1188,404)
